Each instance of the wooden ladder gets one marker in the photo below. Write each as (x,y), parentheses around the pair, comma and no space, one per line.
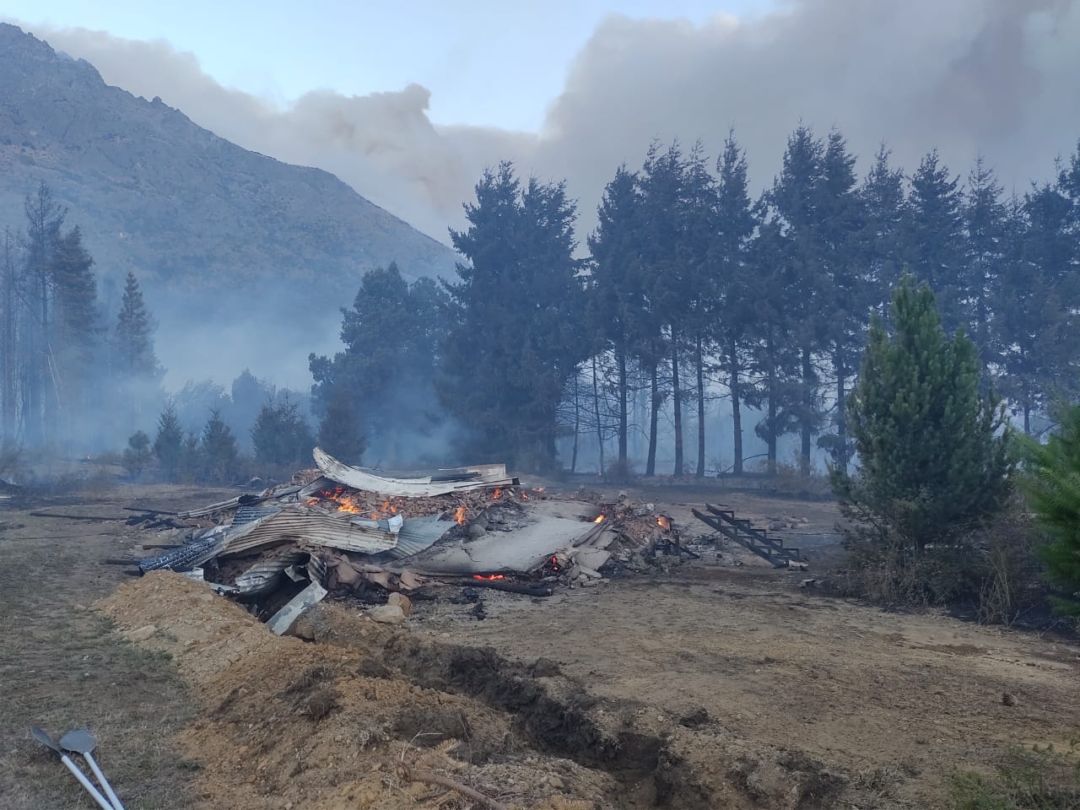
(743,532)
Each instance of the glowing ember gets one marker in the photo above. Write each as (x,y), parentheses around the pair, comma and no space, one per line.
(600,519)
(663,522)
(488,577)
(459,515)
(496,494)
(524,495)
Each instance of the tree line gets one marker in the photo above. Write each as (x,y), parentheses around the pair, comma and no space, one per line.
(693,289)
(70,370)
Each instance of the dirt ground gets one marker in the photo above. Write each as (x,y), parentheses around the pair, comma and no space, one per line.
(719,683)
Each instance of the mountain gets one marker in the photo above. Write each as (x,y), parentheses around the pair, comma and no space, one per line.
(200,220)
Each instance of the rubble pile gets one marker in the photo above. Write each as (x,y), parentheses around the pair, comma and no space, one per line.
(343,529)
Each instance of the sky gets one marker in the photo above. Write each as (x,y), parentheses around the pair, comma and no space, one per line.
(496,63)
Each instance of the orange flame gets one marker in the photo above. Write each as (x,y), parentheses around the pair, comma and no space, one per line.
(488,577)
(663,522)
(600,519)
(496,494)
(459,515)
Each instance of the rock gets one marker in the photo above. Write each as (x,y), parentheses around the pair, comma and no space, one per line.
(475,531)
(695,719)
(387,614)
(142,633)
(402,601)
(1008,699)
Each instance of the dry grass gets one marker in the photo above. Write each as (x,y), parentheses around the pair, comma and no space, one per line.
(62,668)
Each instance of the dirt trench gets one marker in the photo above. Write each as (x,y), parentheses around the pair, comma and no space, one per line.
(336,721)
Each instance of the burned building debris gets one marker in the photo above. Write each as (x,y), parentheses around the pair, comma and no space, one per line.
(337,529)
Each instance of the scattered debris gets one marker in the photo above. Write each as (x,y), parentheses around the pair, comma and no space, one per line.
(339,529)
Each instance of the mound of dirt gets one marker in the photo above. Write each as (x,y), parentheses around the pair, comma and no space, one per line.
(288,724)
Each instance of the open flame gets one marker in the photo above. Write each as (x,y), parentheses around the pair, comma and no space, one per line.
(600,518)
(459,515)
(496,494)
(489,577)
(663,522)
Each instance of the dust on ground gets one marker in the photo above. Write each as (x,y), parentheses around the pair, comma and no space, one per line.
(715,684)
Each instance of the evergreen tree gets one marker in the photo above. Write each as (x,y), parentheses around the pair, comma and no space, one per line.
(797,197)
(10,311)
(935,243)
(280,435)
(137,455)
(389,383)
(932,447)
(845,297)
(218,449)
(617,297)
(340,432)
(74,335)
(44,219)
(517,332)
(737,284)
(1053,485)
(133,341)
(884,227)
(984,222)
(168,444)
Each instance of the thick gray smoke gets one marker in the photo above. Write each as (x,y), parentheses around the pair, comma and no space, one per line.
(995,77)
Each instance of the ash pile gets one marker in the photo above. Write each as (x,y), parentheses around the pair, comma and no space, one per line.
(347,531)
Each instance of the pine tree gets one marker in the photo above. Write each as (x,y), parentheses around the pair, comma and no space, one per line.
(797,197)
(885,226)
(280,435)
(218,449)
(518,331)
(737,284)
(10,312)
(616,290)
(984,221)
(74,334)
(168,444)
(137,455)
(340,432)
(935,243)
(134,342)
(932,447)
(845,297)
(1052,479)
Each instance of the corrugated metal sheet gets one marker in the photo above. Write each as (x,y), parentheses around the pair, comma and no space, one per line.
(317,528)
(418,534)
(489,476)
(262,577)
(249,514)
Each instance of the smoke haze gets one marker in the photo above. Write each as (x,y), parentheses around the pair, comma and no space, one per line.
(991,77)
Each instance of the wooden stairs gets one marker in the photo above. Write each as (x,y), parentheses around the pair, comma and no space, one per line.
(743,532)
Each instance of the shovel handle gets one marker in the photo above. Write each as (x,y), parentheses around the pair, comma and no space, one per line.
(86,783)
(103,782)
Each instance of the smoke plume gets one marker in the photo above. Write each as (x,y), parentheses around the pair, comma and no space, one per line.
(990,77)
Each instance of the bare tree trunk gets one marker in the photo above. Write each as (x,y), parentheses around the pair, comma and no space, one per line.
(8,377)
(676,400)
(654,413)
(699,360)
(771,377)
(736,407)
(805,428)
(577,425)
(841,413)
(623,422)
(596,413)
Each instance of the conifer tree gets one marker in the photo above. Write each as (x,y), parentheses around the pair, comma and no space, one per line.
(884,227)
(134,341)
(218,449)
(984,222)
(932,447)
(737,284)
(340,432)
(935,243)
(168,443)
(1052,479)
(517,315)
(617,296)
(280,435)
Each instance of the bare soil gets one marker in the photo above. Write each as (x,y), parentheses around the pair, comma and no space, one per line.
(719,683)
